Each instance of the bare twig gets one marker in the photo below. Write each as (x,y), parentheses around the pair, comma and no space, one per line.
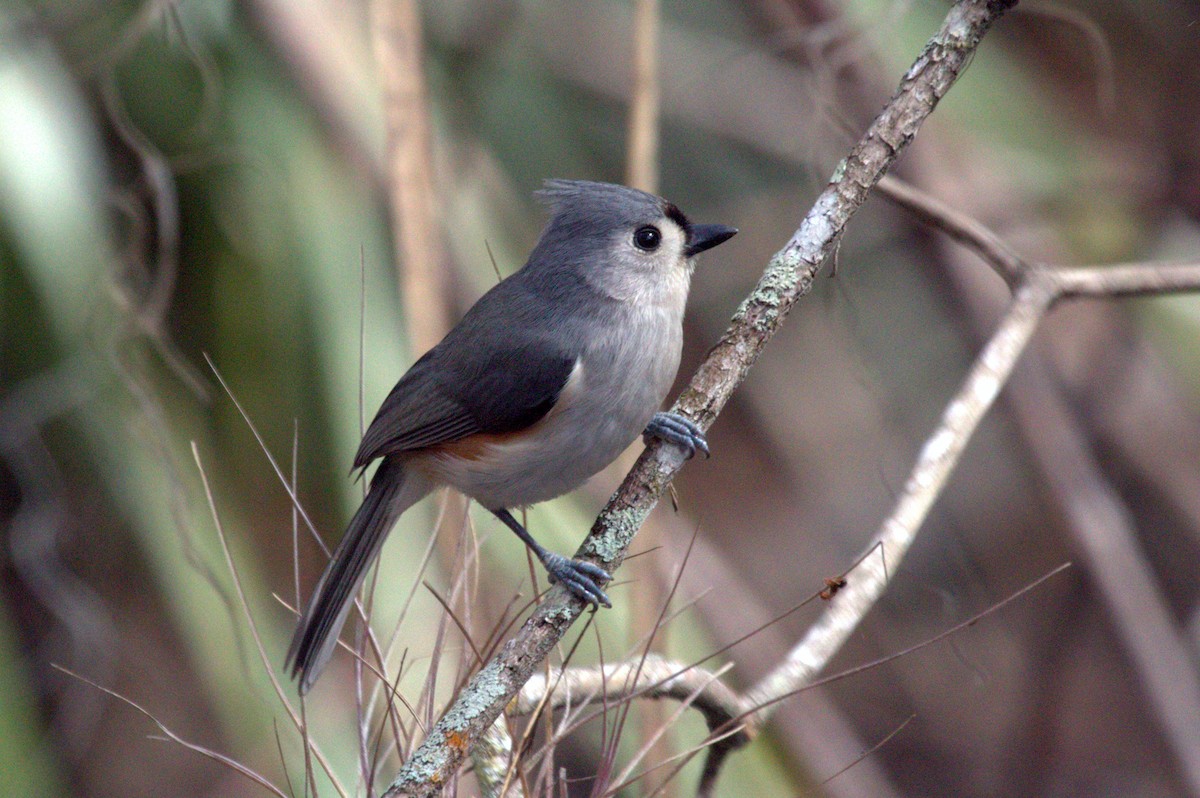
(964,229)
(872,749)
(208,753)
(933,467)
(1099,520)
(656,677)
(788,276)
(1038,288)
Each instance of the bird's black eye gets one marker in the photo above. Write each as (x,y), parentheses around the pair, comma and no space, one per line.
(647,238)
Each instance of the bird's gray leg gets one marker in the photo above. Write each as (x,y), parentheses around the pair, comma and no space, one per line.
(674,428)
(579,577)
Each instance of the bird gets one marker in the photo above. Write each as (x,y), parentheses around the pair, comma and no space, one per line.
(547,378)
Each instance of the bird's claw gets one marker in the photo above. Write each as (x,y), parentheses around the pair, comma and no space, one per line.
(579,577)
(674,428)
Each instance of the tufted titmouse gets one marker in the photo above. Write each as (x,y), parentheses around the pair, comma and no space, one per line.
(546,379)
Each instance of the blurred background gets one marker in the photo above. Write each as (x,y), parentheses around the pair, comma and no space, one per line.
(192,178)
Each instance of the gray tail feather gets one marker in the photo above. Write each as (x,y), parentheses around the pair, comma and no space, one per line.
(317,633)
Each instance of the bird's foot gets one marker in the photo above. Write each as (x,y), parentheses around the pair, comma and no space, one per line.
(580,578)
(674,428)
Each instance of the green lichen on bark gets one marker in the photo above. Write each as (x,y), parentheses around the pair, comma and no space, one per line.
(614,536)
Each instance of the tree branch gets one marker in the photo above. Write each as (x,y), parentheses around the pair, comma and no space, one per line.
(1100,522)
(1038,287)
(788,276)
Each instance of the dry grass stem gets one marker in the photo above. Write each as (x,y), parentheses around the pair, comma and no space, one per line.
(420,259)
(252,625)
(642,148)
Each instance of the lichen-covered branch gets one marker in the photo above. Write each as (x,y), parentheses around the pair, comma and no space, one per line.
(788,276)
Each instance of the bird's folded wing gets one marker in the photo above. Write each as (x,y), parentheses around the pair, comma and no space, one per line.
(456,391)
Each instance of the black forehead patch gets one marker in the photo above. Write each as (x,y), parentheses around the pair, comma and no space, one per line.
(621,203)
(672,212)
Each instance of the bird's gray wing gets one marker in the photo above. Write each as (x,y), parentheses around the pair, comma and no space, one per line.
(466,386)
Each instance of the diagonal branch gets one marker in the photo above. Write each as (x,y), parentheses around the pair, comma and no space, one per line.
(935,463)
(966,230)
(1092,508)
(1101,523)
(788,276)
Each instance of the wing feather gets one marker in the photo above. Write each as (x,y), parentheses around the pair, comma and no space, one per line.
(455,392)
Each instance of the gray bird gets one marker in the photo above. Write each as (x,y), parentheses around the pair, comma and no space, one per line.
(544,382)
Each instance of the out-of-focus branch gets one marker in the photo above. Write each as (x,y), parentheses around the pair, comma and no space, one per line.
(642,171)
(493,760)
(396,28)
(966,230)
(641,160)
(1038,288)
(309,49)
(413,196)
(788,276)
(1099,520)
(1105,535)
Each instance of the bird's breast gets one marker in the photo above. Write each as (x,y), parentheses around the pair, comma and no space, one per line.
(622,377)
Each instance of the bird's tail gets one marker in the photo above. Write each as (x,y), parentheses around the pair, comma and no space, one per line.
(393,490)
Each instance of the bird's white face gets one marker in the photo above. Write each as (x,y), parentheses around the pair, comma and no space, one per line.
(649,264)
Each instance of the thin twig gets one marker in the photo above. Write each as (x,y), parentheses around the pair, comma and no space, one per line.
(299,508)
(208,753)
(252,625)
(1127,279)
(872,749)
(964,229)
(262,444)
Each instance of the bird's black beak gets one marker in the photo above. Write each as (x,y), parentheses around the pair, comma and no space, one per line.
(706,236)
